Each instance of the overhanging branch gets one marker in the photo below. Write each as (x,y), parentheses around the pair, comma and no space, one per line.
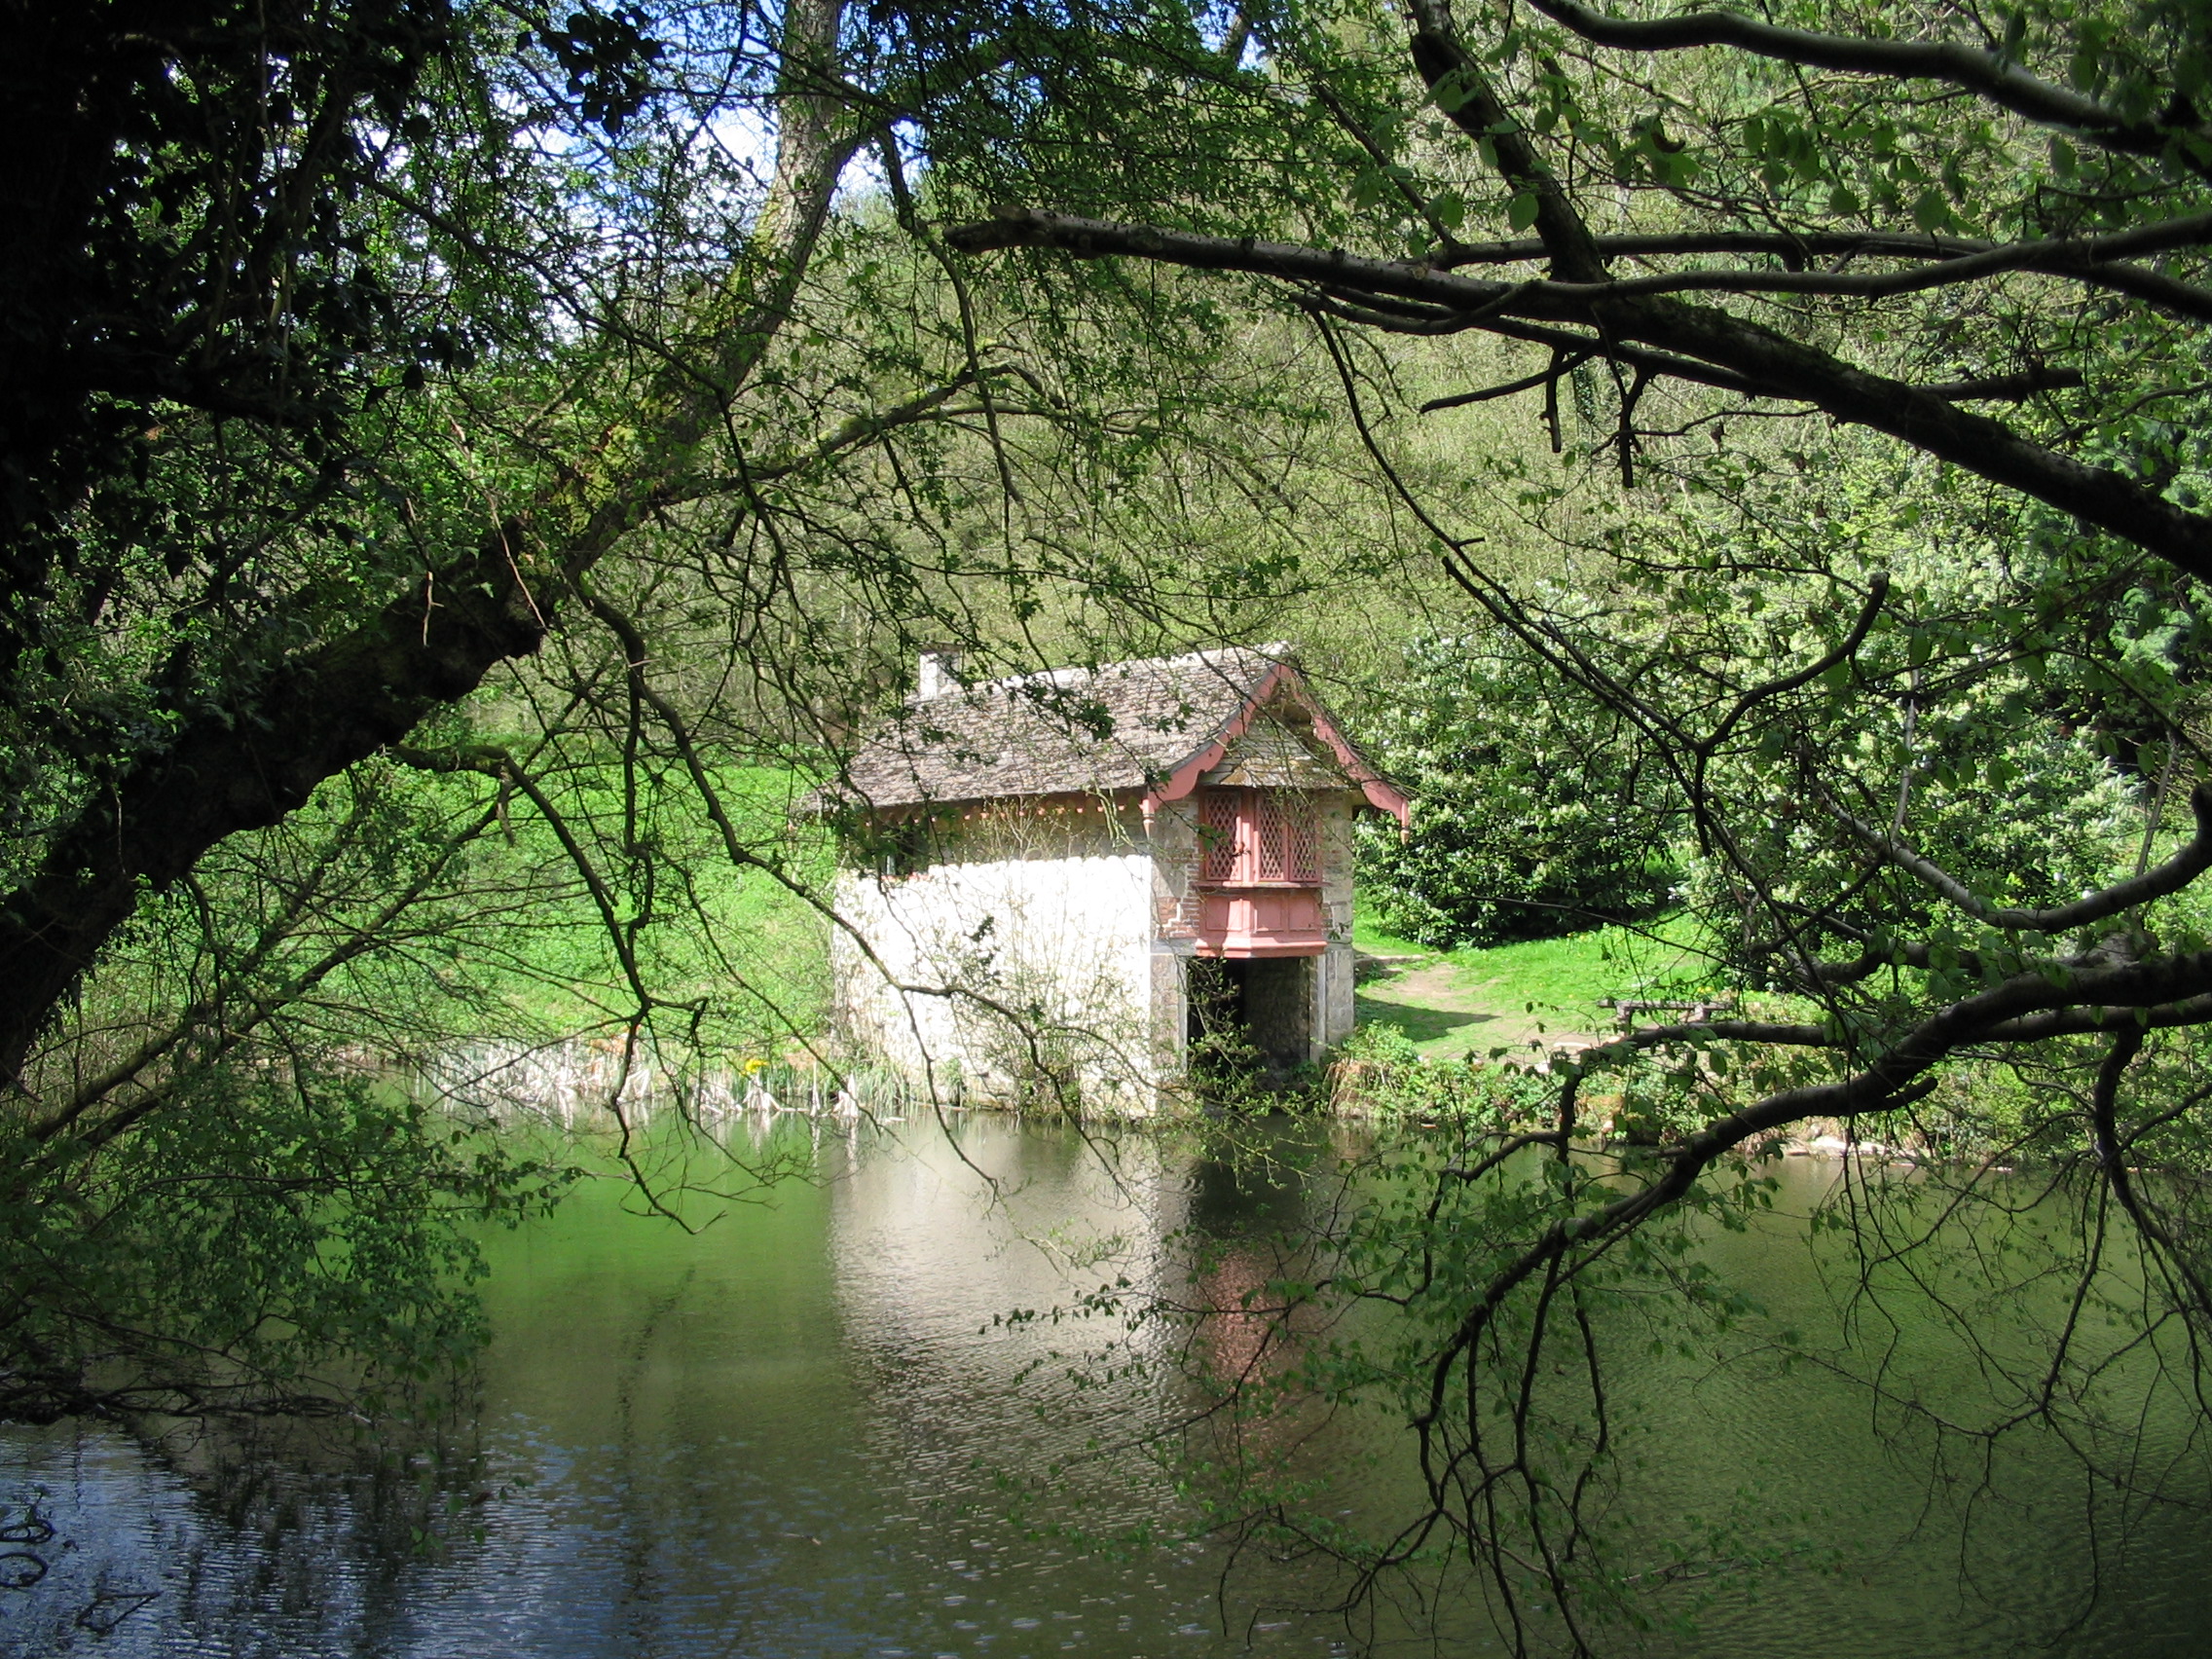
(246,762)
(2176,872)
(1707,343)
(1989,75)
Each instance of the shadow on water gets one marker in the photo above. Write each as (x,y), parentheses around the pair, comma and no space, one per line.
(1250,1175)
(810,1429)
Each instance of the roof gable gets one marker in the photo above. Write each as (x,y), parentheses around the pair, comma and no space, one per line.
(1275,755)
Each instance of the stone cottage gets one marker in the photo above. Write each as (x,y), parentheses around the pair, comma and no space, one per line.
(1053,882)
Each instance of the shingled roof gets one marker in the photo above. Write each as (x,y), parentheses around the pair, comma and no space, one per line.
(1120,726)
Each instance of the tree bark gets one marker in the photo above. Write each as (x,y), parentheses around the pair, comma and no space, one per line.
(246,764)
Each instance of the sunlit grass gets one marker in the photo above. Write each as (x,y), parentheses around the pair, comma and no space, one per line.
(1464,1002)
(1657,959)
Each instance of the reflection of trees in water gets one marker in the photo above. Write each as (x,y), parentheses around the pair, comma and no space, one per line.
(1243,1191)
(229,1537)
(1252,1252)
(1908,1372)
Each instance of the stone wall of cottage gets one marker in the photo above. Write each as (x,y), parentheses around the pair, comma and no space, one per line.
(1016,965)
(1174,836)
(1043,951)
(1333,973)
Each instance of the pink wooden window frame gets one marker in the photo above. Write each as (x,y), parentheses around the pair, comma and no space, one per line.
(1259,838)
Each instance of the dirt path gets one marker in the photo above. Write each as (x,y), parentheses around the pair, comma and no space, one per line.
(1451,1011)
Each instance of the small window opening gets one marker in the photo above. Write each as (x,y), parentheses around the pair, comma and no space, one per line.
(900,846)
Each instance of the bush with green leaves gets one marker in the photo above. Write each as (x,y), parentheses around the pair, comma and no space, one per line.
(1535,811)
(282,1236)
(1377,1072)
(1985,746)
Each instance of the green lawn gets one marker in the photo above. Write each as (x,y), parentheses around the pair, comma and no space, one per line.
(1657,959)
(729,938)
(1458,1003)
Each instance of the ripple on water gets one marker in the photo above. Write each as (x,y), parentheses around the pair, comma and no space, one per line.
(768,1438)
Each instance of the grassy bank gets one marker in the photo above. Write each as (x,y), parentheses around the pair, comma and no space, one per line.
(1515,997)
(534,934)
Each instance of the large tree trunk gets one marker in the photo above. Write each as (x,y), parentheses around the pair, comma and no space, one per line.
(244,765)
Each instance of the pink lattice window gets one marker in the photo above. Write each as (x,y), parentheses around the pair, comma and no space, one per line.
(1259,837)
(1220,825)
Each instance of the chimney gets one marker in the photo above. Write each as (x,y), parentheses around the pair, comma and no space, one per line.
(940,666)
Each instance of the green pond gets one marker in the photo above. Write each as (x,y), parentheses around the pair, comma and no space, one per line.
(804,1430)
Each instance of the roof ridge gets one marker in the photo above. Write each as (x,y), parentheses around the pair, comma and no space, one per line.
(1277,650)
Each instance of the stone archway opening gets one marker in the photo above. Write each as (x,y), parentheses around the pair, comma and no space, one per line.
(1250,1018)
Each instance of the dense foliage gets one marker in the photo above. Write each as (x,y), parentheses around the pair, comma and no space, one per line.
(1918,671)
(1537,813)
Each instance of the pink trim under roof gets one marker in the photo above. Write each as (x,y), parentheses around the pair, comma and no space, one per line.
(1185,778)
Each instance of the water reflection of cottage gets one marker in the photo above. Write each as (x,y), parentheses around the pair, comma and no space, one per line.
(1038,865)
